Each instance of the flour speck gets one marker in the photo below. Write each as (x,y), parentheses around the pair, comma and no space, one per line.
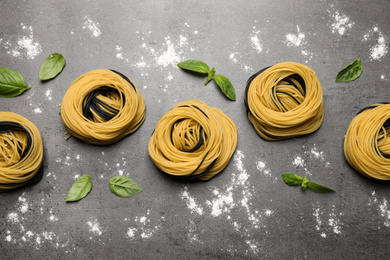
(341,23)
(94,227)
(92,26)
(295,39)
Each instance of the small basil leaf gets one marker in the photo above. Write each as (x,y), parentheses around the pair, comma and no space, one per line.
(351,72)
(317,188)
(123,186)
(226,86)
(12,84)
(292,179)
(52,66)
(194,65)
(80,188)
(210,76)
(305,182)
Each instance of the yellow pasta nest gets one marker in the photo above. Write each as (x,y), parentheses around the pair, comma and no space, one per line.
(193,141)
(21,152)
(366,145)
(284,101)
(102,106)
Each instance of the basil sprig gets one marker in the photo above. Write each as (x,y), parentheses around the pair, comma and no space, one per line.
(80,188)
(12,84)
(351,72)
(123,186)
(52,66)
(296,180)
(200,67)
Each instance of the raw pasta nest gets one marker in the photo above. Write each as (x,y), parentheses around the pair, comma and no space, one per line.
(102,106)
(21,152)
(284,101)
(193,141)
(366,145)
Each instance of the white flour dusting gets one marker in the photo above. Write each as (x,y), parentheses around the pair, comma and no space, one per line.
(183,40)
(8,238)
(23,208)
(92,26)
(379,49)
(94,227)
(233,58)
(341,23)
(333,222)
(145,228)
(299,162)
(295,40)
(26,45)
(170,56)
(191,203)
(262,168)
(48,94)
(383,208)
(37,110)
(131,232)
(34,238)
(13,217)
(234,196)
(119,53)
(255,41)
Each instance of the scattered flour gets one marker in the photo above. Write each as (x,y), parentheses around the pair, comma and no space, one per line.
(255,41)
(341,23)
(92,26)
(295,40)
(13,217)
(145,229)
(298,40)
(191,203)
(380,49)
(34,238)
(233,58)
(299,162)
(383,208)
(94,227)
(170,56)
(262,168)
(8,238)
(25,45)
(48,94)
(183,40)
(23,208)
(38,110)
(119,53)
(334,222)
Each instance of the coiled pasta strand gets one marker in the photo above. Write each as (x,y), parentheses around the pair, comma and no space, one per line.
(284,101)
(366,143)
(21,152)
(193,141)
(102,106)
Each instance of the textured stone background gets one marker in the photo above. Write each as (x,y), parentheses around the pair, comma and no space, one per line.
(247,212)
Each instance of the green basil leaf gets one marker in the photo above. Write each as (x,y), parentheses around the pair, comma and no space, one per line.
(226,86)
(123,186)
(210,76)
(351,72)
(317,188)
(12,84)
(80,188)
(194,65)
(292,179)
(305,182)
(52,66)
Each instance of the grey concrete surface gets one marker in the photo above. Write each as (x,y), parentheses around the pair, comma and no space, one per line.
(247,212)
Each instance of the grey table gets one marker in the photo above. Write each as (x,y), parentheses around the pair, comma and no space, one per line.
(247,212)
